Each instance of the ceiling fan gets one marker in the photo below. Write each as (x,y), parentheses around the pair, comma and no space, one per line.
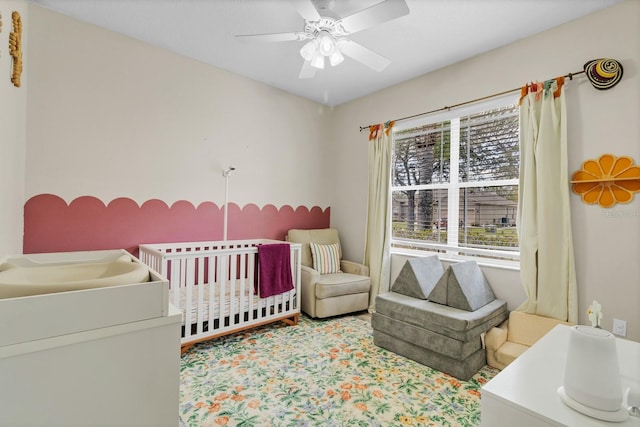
(326,35)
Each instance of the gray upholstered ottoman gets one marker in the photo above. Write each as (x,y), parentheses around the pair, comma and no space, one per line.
(435,334)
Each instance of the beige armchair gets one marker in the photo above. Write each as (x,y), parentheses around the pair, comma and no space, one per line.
(515,335)
(330,294)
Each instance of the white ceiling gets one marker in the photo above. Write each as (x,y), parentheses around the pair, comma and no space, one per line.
(436,33)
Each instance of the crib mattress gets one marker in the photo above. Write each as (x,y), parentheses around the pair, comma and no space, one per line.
(223,304)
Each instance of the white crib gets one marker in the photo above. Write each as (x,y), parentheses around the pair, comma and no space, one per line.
(213,284)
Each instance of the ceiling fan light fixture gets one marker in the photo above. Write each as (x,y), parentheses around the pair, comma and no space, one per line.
(336,58)
(326,43)
(318,61)
(309,50)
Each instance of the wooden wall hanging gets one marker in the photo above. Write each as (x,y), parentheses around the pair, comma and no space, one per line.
(607,180)
(15,48)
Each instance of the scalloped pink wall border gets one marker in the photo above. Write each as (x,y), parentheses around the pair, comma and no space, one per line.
(52,225)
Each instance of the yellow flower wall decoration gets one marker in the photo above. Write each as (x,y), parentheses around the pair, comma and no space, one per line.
(607,180)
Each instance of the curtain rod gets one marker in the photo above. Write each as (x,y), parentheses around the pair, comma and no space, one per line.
(570,76)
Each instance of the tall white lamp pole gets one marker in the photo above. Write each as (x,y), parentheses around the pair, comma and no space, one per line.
(226,174)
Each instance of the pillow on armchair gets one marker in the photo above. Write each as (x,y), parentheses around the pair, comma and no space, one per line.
(326,258)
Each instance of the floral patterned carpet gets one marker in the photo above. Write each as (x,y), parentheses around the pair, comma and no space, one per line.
(318,373)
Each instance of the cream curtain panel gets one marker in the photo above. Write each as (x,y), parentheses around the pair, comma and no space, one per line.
(378,231)
(543,221)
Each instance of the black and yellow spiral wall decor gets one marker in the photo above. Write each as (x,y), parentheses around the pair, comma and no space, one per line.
(603,73)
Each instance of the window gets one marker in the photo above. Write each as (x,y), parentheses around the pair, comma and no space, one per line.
(455,182)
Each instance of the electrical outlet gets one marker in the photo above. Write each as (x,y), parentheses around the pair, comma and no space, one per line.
(619,327)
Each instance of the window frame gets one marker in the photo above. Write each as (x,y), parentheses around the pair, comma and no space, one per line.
(451,249)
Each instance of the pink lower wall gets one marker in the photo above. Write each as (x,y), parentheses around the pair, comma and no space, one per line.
(52,225)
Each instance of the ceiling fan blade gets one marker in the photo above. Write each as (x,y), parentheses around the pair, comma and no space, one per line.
(374,15)
(307,10)
(274,37)
(307,71)
(366,56)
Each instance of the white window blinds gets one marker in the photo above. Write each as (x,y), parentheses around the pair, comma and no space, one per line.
(455,181)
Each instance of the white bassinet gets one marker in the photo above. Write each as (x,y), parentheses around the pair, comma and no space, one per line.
(215,284)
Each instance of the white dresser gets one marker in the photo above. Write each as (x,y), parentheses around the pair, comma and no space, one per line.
(105,356)
(524,394)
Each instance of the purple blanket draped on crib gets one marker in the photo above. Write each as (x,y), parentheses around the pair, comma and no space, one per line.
(275,269)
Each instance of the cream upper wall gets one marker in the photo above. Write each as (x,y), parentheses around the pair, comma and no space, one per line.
(113,117)
(607,241)
(13,104)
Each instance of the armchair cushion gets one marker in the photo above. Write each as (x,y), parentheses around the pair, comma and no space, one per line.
(337,284)
(326,258)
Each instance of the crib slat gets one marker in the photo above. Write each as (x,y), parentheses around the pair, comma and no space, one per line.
(174,283)
(213,262)
(293,255)
(254,306)
(222,281)
(188,280)
(243,283)
(233,279)
(200,286)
